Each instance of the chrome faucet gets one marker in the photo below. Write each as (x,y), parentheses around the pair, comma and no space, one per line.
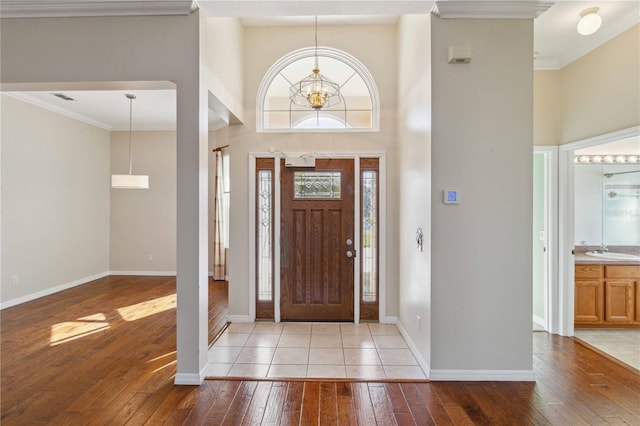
(602,248)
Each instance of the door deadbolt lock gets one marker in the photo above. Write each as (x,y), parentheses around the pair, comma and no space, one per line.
(349,242)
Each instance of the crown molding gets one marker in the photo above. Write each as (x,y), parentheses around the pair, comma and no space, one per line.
(454,9)
(54,108)
(71,8)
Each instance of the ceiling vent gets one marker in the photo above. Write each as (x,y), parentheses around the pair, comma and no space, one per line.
(63,96)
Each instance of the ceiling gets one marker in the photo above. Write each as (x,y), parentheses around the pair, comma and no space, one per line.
(555,40)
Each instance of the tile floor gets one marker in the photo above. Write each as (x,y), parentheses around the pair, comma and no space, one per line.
(623,344)
(313,350)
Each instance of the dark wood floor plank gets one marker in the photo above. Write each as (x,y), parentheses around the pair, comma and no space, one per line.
(293,404)
(328,404)
(275,404)
(310,404)
(104,353)
(256,409)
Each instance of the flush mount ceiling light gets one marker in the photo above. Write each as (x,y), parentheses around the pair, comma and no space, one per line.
(589,22)
(315,90)
(130,181)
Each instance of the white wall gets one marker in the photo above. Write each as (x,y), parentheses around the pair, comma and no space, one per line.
(263,47)
(481,259)
(55,201)
(143,222)
(414,147)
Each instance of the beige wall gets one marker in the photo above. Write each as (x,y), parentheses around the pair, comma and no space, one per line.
(143,222)
(547,108)
(601,90)
(414,148)
(596,94)
(263,47)
(481,256)
(55,201)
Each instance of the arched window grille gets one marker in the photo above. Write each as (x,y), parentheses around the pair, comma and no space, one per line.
(358,111)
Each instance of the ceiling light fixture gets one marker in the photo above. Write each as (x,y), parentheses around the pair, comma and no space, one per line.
(595,159)
(589,22)
(130,181)
(315,91)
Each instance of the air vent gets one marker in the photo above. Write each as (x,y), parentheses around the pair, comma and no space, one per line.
(63,96)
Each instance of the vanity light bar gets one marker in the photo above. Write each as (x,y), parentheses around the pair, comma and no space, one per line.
(606,159)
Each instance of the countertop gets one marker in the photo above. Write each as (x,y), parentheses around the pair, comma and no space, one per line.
(583,259)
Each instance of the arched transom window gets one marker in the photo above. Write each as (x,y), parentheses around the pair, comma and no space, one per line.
(357,111)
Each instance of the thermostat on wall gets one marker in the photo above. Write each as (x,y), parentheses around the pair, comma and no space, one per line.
(451,196)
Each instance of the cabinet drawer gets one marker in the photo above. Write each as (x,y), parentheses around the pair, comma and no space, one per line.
(588,271)
(622,271)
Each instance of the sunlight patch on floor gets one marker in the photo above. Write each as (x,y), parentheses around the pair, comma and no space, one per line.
(71,330)
(147,308)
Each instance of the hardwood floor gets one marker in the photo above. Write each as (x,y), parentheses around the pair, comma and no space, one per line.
(104,353)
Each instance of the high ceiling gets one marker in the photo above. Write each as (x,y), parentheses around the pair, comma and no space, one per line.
(556,41)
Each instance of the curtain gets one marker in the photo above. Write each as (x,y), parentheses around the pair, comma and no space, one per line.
(219,258)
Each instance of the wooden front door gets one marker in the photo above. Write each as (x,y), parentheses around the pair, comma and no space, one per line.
(317,248)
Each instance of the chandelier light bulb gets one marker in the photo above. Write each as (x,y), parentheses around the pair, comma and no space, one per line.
(589,22)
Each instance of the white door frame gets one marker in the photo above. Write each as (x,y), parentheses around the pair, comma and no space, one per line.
(382,179)
(551,235)
(566,222)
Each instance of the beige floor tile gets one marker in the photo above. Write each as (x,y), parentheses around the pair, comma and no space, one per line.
(361,357)
(296,328)
(232,339)
(291,356)
(365,372)
(268,327)
(622,344)
(284,370)
(326,341)
(358,341)
(323,328)
(240,327)
(248,370)
(383,329)
(294,341)
(326,356)
(326,371)
(396,357)
(384,341)
(355,329)
(255,355)
(404,372)
(265,340)
(224,354)
(218,370)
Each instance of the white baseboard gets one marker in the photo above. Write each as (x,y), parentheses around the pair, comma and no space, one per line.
(542,323)
(190,379)
(145,273)
(52,290)
(483,375)
(414,348)
(239,318)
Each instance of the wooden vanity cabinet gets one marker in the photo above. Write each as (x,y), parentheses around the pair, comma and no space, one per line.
(589,295)
(607,295)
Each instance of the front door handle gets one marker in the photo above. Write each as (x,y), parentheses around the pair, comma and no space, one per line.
(351,253)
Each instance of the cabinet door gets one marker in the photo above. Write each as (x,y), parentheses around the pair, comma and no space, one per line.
(589,302)
(619,303)
(637,301)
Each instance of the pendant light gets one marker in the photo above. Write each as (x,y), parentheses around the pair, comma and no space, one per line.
(315,90)
(130,181)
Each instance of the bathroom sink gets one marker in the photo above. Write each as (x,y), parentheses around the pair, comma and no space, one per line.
(613,256)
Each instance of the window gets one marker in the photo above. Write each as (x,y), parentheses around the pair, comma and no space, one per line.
(357,111)
(264,238)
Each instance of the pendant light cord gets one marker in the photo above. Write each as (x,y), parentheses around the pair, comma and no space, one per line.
(316,41)
(131,98)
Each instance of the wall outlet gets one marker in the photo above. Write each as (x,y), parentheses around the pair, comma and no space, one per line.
(14,279)
(149,258)
(419,321)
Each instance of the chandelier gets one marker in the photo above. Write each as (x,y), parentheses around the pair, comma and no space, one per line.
(315,90)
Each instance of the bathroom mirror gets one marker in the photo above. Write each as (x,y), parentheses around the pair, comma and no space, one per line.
(607,204)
